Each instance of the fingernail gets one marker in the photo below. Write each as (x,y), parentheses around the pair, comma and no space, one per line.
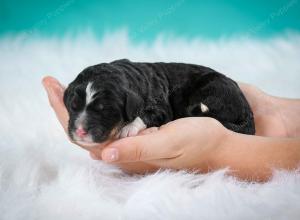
(110,155)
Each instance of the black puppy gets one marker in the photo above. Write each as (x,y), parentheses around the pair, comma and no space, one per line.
(120,98)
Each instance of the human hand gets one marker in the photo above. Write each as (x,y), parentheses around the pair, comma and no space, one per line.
(186,143)
(55,92)
(188,139)
(267,111)
(190,135)
(193,143)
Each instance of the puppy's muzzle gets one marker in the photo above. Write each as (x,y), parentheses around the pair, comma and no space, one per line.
(80,132)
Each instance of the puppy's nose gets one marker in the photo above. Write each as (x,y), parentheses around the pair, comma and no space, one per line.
(80,132)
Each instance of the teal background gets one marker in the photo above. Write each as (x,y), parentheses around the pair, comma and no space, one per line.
(146,19)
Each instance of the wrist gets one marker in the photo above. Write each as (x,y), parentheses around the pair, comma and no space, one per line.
(237,155)
(222,145)
(289,110)
(243,156)
(253,157)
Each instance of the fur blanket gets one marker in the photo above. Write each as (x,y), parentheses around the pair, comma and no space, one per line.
(43,176)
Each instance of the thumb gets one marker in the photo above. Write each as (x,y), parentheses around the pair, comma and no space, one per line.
(55,92)
(149,147)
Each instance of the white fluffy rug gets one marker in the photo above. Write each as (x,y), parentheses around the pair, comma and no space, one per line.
(42,176)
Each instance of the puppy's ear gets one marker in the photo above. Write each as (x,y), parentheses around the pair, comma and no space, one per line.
(133,105)
(68,94)
(66,97)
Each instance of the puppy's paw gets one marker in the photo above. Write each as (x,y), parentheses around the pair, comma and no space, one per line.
(128,131)
(132,128)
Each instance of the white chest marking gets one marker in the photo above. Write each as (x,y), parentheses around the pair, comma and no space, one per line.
(203,107)
(89,93)
(132,128)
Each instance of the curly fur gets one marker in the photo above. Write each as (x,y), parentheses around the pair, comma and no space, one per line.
(157,93)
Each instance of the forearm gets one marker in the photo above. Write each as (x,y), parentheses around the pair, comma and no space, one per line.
(254,157)
(274,116)
(290,114)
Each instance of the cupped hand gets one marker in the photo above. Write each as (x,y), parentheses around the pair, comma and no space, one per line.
(266,109)
(186,143)
(55,92)
(183,143)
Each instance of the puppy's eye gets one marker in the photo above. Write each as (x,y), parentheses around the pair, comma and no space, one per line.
(76,103)
(75,106)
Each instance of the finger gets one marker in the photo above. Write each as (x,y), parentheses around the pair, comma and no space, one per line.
(137,167)
(141,148)
(95,148)
(55,92)
(94,156)
(148,131)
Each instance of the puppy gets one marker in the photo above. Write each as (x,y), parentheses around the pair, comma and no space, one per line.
(118,99)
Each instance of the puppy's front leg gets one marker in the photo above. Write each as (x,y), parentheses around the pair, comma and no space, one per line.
(132,128)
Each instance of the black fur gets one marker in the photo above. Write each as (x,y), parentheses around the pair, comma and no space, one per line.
(157,93)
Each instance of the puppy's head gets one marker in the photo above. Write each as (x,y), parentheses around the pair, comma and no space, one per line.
(97,109)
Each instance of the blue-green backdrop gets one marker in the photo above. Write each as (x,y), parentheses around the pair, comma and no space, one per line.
(145,19)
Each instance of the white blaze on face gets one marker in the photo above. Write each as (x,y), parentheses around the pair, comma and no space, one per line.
(88,98)
(79,124)
(80,121)
(89,93)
